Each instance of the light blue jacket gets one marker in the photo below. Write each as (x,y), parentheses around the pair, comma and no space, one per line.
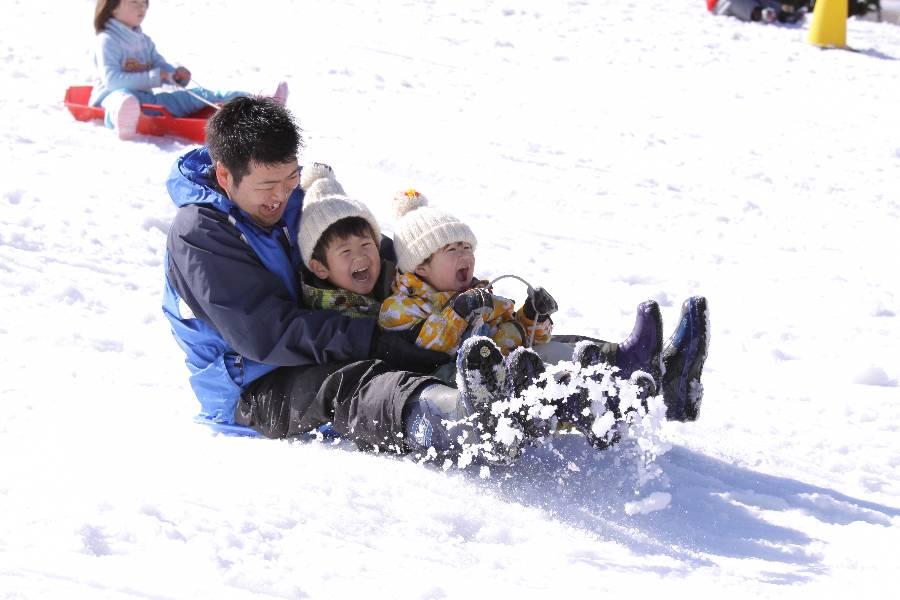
(125,58)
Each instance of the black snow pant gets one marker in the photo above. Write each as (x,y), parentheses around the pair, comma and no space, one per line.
(363,400)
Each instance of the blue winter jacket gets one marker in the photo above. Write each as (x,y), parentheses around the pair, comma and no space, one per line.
(232,293)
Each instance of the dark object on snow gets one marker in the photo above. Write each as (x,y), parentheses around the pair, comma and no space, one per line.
(784,11)
(766,11)
(858,8)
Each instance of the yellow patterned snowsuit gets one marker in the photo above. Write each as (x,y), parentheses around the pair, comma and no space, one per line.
(414,302)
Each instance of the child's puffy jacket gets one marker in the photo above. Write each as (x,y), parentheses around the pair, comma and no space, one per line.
(415,304)
(322,295)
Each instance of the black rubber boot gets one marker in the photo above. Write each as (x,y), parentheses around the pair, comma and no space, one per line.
(523,370)
(481,381)
(683,360)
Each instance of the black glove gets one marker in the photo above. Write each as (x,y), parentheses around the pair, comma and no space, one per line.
(473,302)
(540,302)
(393,348)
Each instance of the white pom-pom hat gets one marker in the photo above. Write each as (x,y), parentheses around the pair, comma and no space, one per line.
(324,204)
(422,230)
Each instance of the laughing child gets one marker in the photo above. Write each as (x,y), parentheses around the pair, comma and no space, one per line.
(436,295)
(339,244)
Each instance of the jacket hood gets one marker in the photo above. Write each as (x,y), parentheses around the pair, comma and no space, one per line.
(190,182)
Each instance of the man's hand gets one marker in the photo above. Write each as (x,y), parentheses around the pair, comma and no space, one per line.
(473,303)
(401,354)
(540,302)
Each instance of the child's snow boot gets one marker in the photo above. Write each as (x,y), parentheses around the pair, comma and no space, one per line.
(481,381)
(480,372)
(644,388)
(123,111)
(589,354)
(577,410)
(523,370)
(683,360)
(645,384)
(280,95)
(641,350)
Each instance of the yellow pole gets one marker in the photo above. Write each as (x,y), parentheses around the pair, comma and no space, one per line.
(829,24)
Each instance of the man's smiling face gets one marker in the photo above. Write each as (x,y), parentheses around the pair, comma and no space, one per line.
(263,192)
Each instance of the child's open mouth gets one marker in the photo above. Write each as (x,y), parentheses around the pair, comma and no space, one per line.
(463,275)
(360,274)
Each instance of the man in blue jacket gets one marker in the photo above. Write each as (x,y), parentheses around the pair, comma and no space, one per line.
(259,359)
(256,357)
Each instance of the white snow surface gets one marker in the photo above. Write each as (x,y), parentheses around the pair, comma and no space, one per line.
(608,151)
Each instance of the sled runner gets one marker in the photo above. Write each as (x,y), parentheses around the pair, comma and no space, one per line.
(159,121)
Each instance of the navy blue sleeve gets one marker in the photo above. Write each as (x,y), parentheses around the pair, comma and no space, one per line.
(224,283)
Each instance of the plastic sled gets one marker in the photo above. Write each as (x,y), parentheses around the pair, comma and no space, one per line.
(326,431)
(159,122)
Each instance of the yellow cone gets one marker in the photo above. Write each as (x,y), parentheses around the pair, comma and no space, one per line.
(829,24)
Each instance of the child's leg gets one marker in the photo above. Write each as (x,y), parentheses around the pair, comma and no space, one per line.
(217,97)
(123,110)
(555,351)
(640,351)
(446,373)
(181,104)
(436,417)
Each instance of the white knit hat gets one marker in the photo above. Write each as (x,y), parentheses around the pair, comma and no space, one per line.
(324,204)
(423,230)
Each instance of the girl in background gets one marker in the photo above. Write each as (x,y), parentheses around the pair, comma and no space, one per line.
(129,68)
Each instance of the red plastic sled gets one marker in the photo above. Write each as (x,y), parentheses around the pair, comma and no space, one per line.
(192,127)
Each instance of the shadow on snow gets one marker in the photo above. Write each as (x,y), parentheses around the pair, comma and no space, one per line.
(716,509)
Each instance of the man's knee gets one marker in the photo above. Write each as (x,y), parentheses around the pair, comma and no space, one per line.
(265,411)
(286,402)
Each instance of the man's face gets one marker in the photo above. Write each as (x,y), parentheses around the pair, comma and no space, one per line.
(263,192)
(131,12)
(450,269)
(353,264)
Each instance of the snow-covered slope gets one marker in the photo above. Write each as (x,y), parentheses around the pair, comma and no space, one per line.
(609,151)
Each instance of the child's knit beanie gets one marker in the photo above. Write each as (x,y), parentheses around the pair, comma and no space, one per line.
(324,204)
(423,230)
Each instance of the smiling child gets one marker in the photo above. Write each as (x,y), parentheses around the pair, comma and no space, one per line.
(339,240)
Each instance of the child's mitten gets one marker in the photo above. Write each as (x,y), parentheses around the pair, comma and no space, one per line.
(473,303)
(540,302)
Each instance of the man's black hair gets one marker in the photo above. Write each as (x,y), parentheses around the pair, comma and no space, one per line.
(341,230)
(252,129)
